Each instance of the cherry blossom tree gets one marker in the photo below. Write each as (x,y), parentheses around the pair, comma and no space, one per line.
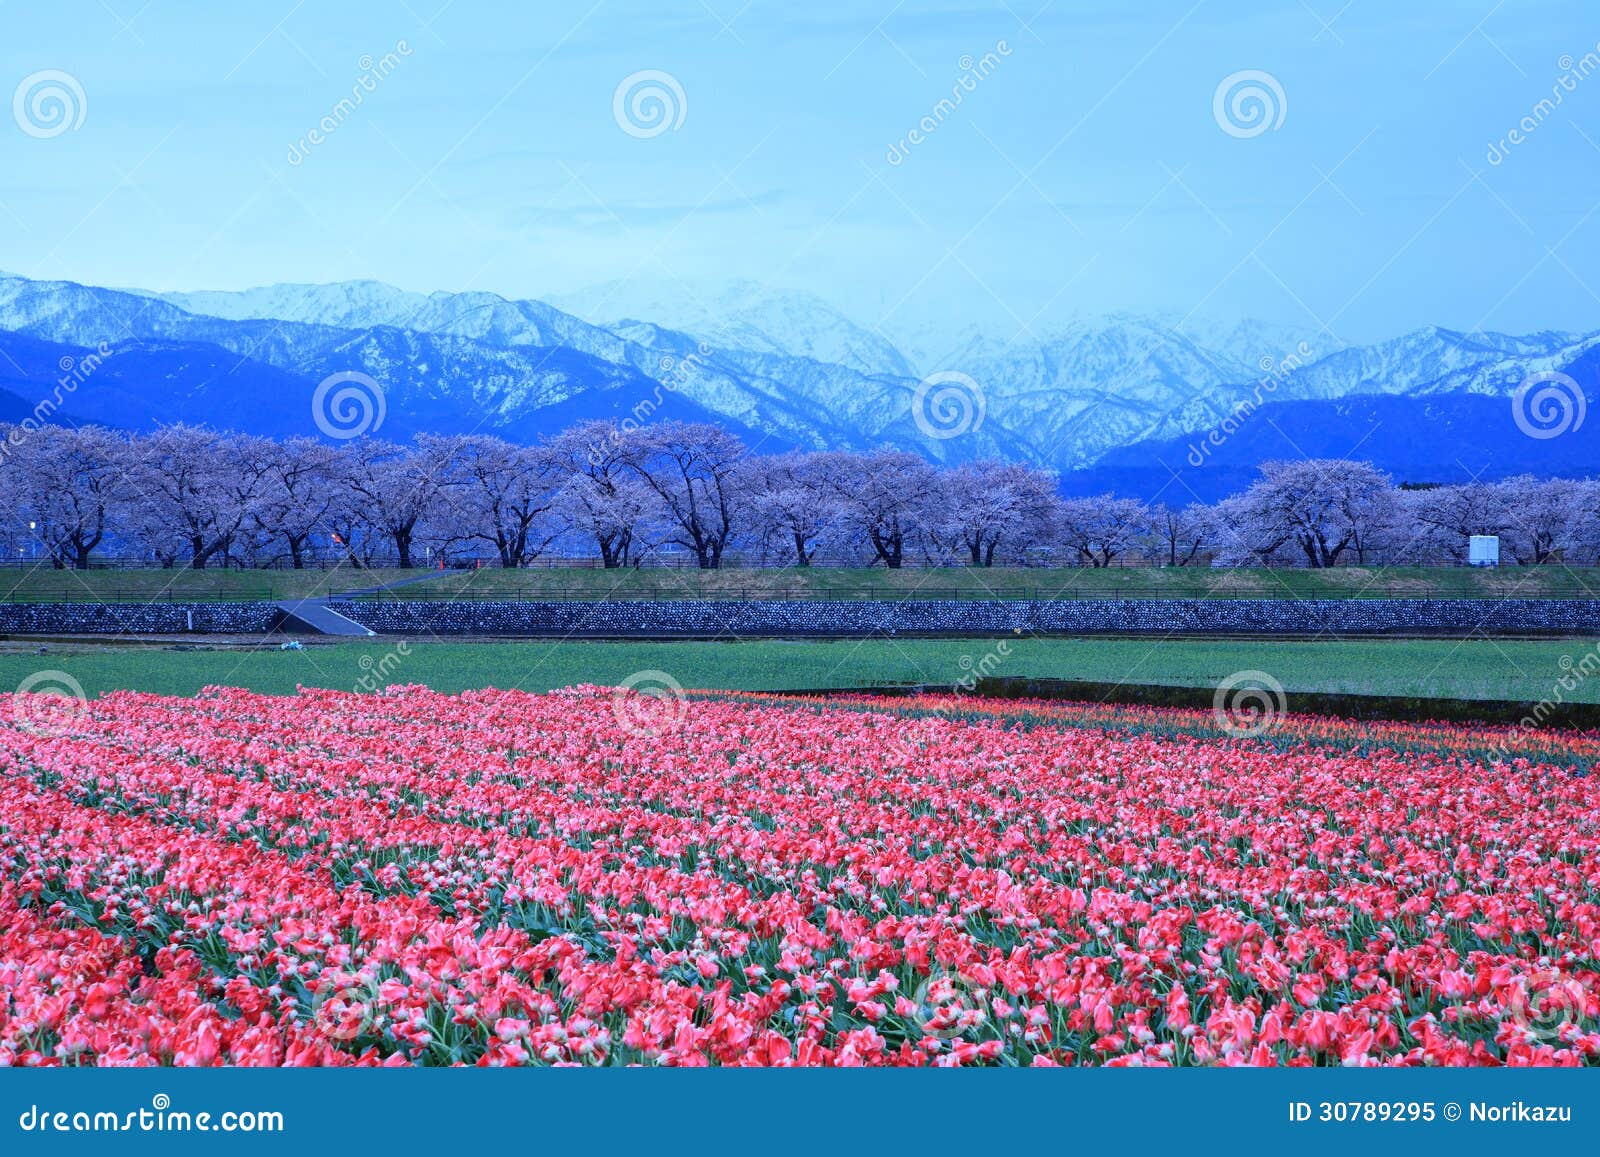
(1542,517)
(996,507)
(694,471)
(198,497)
(66,486)
(300,492)
(1325,508)
(1101,529)
(885,498)
(245,472)
(1179,536)
(499,493)
(791,503)
(601,496)
(182,491)
(394,487)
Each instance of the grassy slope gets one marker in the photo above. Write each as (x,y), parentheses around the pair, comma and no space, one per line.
(1494,670)
(178,585)
(681,583)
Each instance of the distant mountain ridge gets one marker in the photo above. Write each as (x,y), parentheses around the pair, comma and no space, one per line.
(748,316)
(1096,396)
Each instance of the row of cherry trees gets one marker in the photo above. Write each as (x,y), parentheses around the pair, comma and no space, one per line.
(197,497)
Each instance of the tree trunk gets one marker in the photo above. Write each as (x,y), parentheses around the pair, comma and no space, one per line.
(890,547)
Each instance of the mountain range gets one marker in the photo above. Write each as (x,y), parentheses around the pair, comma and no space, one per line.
(1118,401)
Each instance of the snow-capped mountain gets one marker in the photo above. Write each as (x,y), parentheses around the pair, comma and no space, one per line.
(1233,350)
(1438,361)
(781,368)
(491,323)
(1105,383)
(360,305)
(745,315)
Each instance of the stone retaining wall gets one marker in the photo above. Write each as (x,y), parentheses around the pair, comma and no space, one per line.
(703,619)
(839,619)
(138,618)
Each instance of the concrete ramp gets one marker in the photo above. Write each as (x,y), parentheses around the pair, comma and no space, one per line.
(319,619)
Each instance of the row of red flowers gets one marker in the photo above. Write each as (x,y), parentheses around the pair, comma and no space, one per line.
(505,878)
(1525,739)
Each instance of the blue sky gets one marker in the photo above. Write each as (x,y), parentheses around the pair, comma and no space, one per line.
(1086,170)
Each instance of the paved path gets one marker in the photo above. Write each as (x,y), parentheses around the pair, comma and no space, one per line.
(424,577)
(316,616)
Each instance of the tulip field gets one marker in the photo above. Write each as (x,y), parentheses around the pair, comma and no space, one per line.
(598,877)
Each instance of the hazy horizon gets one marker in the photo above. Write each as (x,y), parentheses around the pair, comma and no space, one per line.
(1380,171)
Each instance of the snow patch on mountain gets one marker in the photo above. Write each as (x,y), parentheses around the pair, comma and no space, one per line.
(782,367)
(745,315)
